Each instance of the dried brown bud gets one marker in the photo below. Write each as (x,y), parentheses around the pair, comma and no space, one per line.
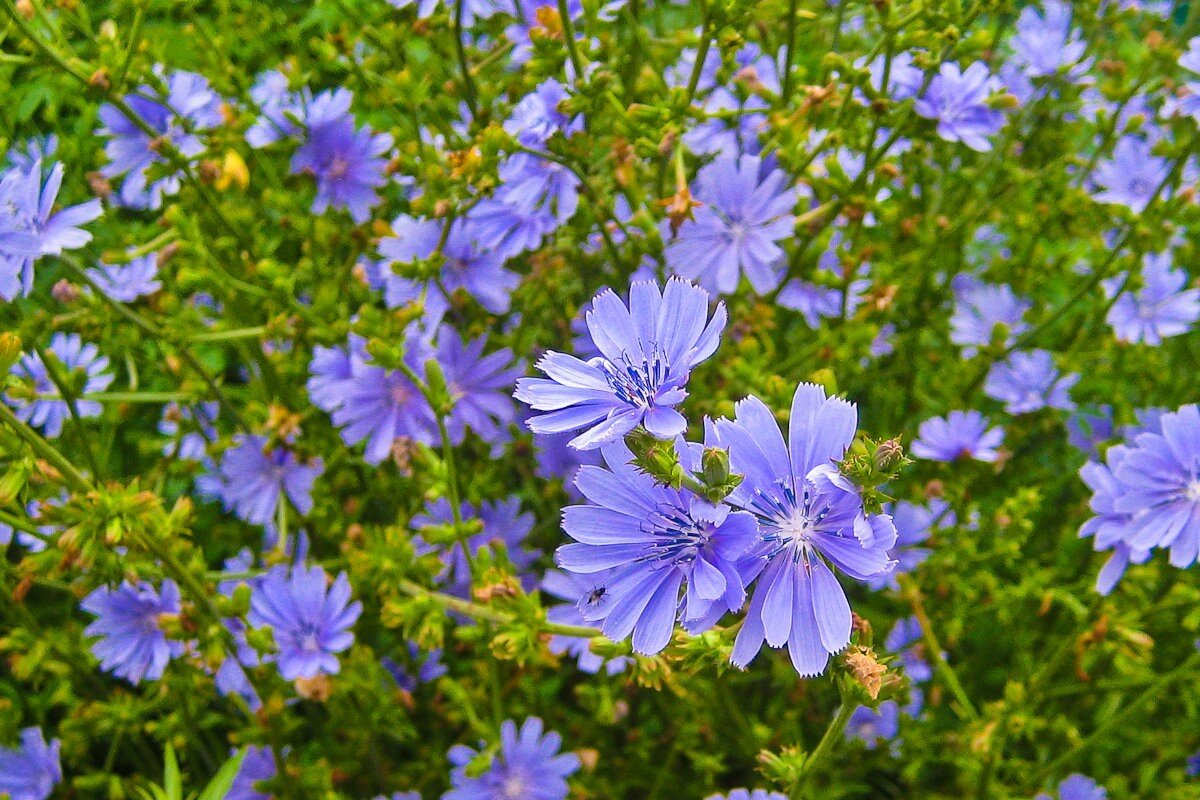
(316,689)
(210,171)
(679,207)
(65,292)
(865,669)
(100,80)
(25,9)
(99,185)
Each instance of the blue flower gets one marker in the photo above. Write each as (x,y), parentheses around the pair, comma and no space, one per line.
(31,771)
(472,10)
(370,403)
(957,100)
(527,767)
(747,794)
(311,622)
(1188,102)
(532,185)
(480,387)
(196,422)
(872,726)
(429,668)
(502,522)
(811,520)
(905,639)
(1132,176)
(282,109)
(1077,787)
(647,353)
(979,308)
(730,137)
(189,108)
(1028,381)
(132,645)
(258,765)
(509,230)
(960,434)
(1162,308)
(914,524)
(672,553)
(127,282)
(1110,527)
(346,161)
(538,116)
(579,590)
(73,355)
(904,79)
(747,210)
(254,480)
(23,155)
(31,228)
(1045,43)
(466,266)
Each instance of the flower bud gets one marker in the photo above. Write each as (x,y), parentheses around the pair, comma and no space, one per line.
(888,455)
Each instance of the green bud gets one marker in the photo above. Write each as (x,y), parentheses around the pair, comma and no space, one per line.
(10,350)
(888,455)
(714,464)
(439,392)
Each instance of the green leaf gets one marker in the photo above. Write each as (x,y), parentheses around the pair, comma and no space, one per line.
(223,780)
(171,780)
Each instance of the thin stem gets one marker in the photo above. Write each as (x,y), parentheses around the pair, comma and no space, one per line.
(461,49)
(128,397)
(568,29)
(833,734)
(68,397)
(940,665)
(790,46)
(483,613)
(701,53)
(71,474)
(256,332)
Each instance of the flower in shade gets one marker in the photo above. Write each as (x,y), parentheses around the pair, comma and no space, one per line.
(255,479)
(958,101)
(959,434)
(370,403)
(811,521)
(31,771)
(31,228)
(127,282)
(507,229)
(465,266)
(1045,43)
(905,639)
(480,387)
(72,355)
(1028,381)
(347,162)
(310,619)
(556,459)
(872,726)
(528,766)
(132,645)
(672,553)
(196,423)
(979,308)
(1193,765)
(189,108)
(748,794)
(904,79)
(647,353)
(579,590)
(914,524)
(428,668)
(1077,787)
(538,116)
(501,522)
(747,210)
(1088,428)
(1132,177)
(533,185)
(1162,308)
(280,109)
(257,766)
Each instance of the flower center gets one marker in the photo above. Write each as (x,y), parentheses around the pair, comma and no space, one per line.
(338,167)
(1192,491)
(637,383)
(677,538)
(792,523)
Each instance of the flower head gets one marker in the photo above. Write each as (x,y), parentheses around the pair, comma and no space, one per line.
(311,621)
(1077,787)
(959,434)
(31,771)
(197,424)
(132,644)
(647,353)
(254,479)
(748,794)
(811,521)
(527,767)
(480,387)
(189,108)
(979,308)
(872,726)
(747,210)
(258,765)
(347,163)
(73,355)
(1045,43)
(127,282)
(501,521)
(1133,176)
(957,100)
(1028,381)
(538,116)
(1162,308)
(914,525)
(428,668)
(670,552)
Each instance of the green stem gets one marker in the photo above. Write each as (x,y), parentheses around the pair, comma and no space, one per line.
(936,655)
(256,332)
(68,397)
(128,397)
(485,614)
(790,46)
(461,49)
(833,734)
(701,53)
(568,29)
(71,474)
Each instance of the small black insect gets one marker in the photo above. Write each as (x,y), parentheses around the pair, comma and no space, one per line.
(596,595)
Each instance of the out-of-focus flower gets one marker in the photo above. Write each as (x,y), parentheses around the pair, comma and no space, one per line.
(189,109)
(480,387)
(127,282)
(579,590)
(979,308)
(960,434)
(1045,43)
(1132,176)
(748,794)
(528,766)
(1028,381)
(254,480)
(747,210)
(810,518)
(257,766)
(347,162)
(1088,428)
(132,645)
(502,522)
(914,524)
(197,421)
(429,668)
(538,116)
(311,622)
(1077,787)
(872,726)
(957,100)
(46,412)
(648,351)
(31,771)
(1162,308)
